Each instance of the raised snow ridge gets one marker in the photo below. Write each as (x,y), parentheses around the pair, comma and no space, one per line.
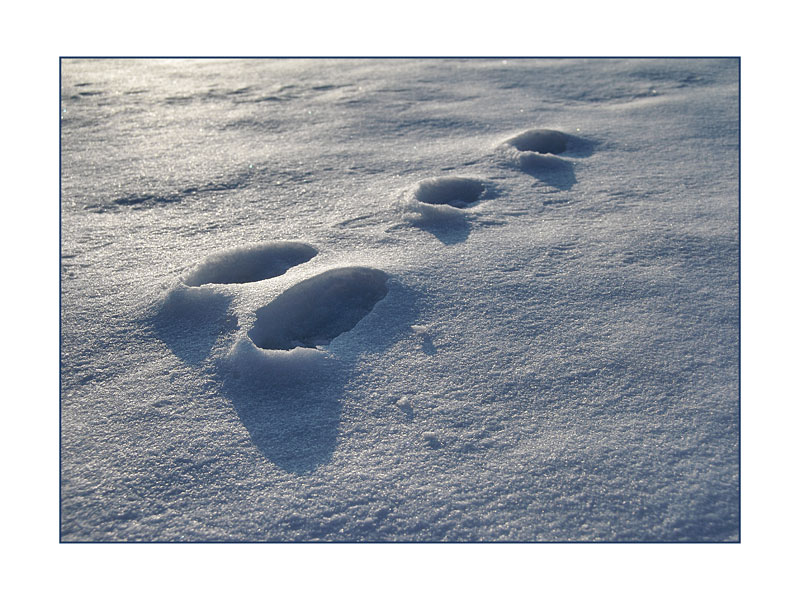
(246,264)
(458,192)
(315,311)
(543,141)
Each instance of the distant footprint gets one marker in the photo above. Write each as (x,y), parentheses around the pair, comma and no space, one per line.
(458,192)
(315,311)
(437,205)
(247,264)
(550,141)
(534,151)
(542,141)
(537,152)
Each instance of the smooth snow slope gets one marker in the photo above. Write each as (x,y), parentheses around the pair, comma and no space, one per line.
(400,300)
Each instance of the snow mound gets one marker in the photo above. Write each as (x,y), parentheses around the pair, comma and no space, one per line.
(199,304)
(250,263)
(190,319)
(458,192)
(405,404)
(315,311)
(254,365)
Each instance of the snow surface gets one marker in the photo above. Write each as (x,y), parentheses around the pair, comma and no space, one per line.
(400,300)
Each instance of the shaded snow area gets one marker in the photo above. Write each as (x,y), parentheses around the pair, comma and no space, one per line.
(400,300)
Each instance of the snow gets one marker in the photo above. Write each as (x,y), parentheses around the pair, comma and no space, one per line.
(458,192)
(319,309)
(400,300)
(250,263)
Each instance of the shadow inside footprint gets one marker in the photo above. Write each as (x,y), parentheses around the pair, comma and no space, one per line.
(550,141)
(247,264)
(458,192)
(190,320)
(315,311)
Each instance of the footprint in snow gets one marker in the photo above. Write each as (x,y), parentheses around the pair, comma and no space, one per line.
(247,264)
(538,152)
(310,314)
(541,141)
(193,315)
(550,141)
(438,205)
(315,311)
(458,192)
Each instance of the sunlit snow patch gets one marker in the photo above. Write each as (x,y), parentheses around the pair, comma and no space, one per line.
(253,364)
(317,310)
(246,264)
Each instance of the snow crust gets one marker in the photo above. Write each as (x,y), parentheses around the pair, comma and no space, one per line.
(400,300)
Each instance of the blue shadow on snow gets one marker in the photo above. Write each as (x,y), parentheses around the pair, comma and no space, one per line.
(294,422)
(190,320)
(289,401)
